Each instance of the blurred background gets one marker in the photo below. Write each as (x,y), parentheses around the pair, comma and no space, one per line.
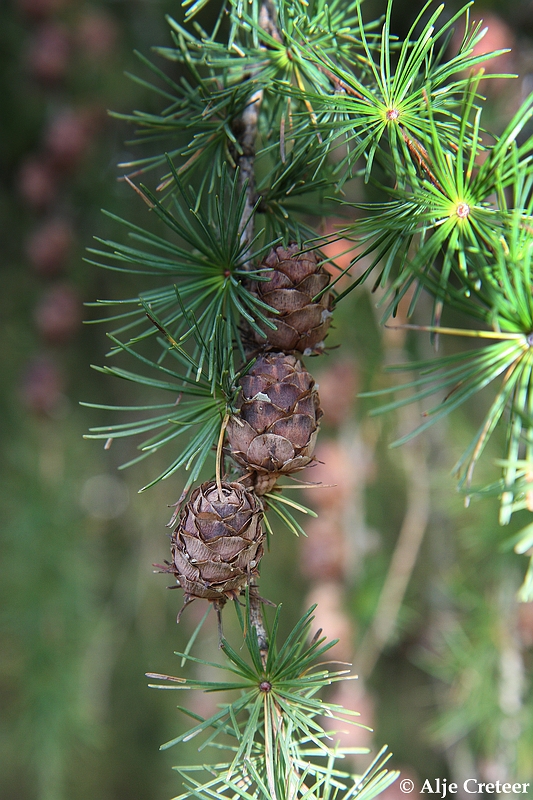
(420,590)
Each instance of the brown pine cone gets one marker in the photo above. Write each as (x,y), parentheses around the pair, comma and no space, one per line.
(293,280)
(277,425)
(218,542)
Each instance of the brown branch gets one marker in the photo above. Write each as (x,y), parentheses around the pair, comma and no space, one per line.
(257,621)
(415,463)
(404,558)
(247,132)
(245,162)
(421,156)
(338,84)
(268,20)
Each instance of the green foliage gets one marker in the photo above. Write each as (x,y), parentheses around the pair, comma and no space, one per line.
(392,98)
(210,381)
(226,74)
(272,732)
(487,706)
(279,106)
(279,505)
(455,213)
(201,113)
(206,265)
(448,228)
(488,254)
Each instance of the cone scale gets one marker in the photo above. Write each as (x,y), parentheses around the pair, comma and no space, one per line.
(291,281)
(218,542)
(275,430)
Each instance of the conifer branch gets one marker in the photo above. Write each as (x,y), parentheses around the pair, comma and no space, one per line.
(245,162)
(304,79)
(257,621)
(247,135)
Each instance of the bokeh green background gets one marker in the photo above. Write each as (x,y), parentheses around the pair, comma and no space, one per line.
(82,615)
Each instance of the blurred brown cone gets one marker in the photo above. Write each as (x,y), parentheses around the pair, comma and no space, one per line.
(525,623)
(324,551)
(58,314)
(36,182)
(40,9)
(96,35)
(218,542)
(293,279)
(68,137)
(42,386)
(277,425)
(338,388)
(49,245)
(49,53)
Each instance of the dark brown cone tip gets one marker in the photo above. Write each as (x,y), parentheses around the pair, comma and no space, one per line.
(294,279)
(275,430)
(218,542)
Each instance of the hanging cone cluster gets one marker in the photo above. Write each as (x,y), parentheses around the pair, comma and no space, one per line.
(218,541)
(275,431)
(293,279)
